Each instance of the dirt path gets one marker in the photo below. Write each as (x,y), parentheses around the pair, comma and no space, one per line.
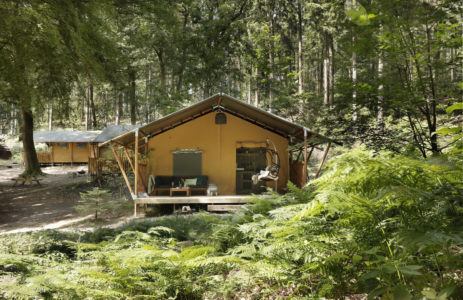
(26,207)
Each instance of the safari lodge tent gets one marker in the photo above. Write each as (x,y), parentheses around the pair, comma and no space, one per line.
(67,147)
(219,139)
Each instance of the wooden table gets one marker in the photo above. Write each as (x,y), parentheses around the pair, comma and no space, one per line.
(24,178)
(184,189)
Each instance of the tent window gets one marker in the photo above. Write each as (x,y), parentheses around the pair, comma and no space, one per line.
(62,145)
(81,146)
(188,163)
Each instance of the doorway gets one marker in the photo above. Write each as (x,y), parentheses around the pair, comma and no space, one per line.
(246,161)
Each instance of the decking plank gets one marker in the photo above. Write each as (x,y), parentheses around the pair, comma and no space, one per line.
(192,199)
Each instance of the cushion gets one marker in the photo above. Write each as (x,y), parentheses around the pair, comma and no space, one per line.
(165,180)
(202,180)
(199,180)
(190,182)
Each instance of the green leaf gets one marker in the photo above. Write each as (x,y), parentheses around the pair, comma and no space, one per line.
(356,257)
(450,109)
(402,294)
(388,270)
(337,256)
(445,293)
(429,293)
(410,270)
(367,286)
(377,292)
(372,274)
(444,131)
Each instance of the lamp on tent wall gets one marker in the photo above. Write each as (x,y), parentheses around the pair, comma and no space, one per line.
(220,118)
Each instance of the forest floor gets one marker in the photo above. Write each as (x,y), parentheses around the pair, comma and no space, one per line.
(46,206)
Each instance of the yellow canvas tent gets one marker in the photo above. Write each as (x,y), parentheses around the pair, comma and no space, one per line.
(220,138)
(67,147)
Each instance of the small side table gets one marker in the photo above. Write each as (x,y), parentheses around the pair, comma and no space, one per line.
(184,189)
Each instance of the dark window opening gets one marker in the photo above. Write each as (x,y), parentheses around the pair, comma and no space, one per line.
(188,163)
(81,146)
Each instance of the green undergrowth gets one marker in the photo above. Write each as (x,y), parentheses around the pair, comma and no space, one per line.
(383,226)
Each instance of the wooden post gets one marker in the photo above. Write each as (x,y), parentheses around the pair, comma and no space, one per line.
(304,169)
(122,169)
(310,154)
(323,160)
(136,162)
(72,153)
(52,155)
(133,169)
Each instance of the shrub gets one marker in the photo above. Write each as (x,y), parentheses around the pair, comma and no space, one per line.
(97,201)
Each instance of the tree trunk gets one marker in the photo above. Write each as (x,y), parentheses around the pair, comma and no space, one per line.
(30,155)
(452,65)
(105,108)
(148,94)
(239,79)
(354,92)
(256,103)
(432,119)
(272,61)
(87,109)
(331,52)
(133,100)
(82,106)
(250,86)
(116,106)
(50,120)
(92,105)
(186,14)
(299,43)
(162,67)
(380,96)
(326,71)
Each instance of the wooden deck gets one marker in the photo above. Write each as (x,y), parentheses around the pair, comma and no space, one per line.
(192,199)
(226,199)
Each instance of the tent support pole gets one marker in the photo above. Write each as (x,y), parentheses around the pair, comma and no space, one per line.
(128,158)
(133,169)
(122,169)
(323,160)
(308,157)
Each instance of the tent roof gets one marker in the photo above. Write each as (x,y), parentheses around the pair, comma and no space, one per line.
(65,136)
(232,106)
(113,131)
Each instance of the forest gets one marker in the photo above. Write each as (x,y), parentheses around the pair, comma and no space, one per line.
(384,78)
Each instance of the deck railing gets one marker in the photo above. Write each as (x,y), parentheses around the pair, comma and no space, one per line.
(43,157)
(97,166)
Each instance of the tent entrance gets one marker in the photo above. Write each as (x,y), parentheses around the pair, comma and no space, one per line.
(246,160)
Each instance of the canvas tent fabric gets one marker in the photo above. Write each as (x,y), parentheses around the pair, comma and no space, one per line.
(113,131)
(195,127)
(232,106)
(65,136)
